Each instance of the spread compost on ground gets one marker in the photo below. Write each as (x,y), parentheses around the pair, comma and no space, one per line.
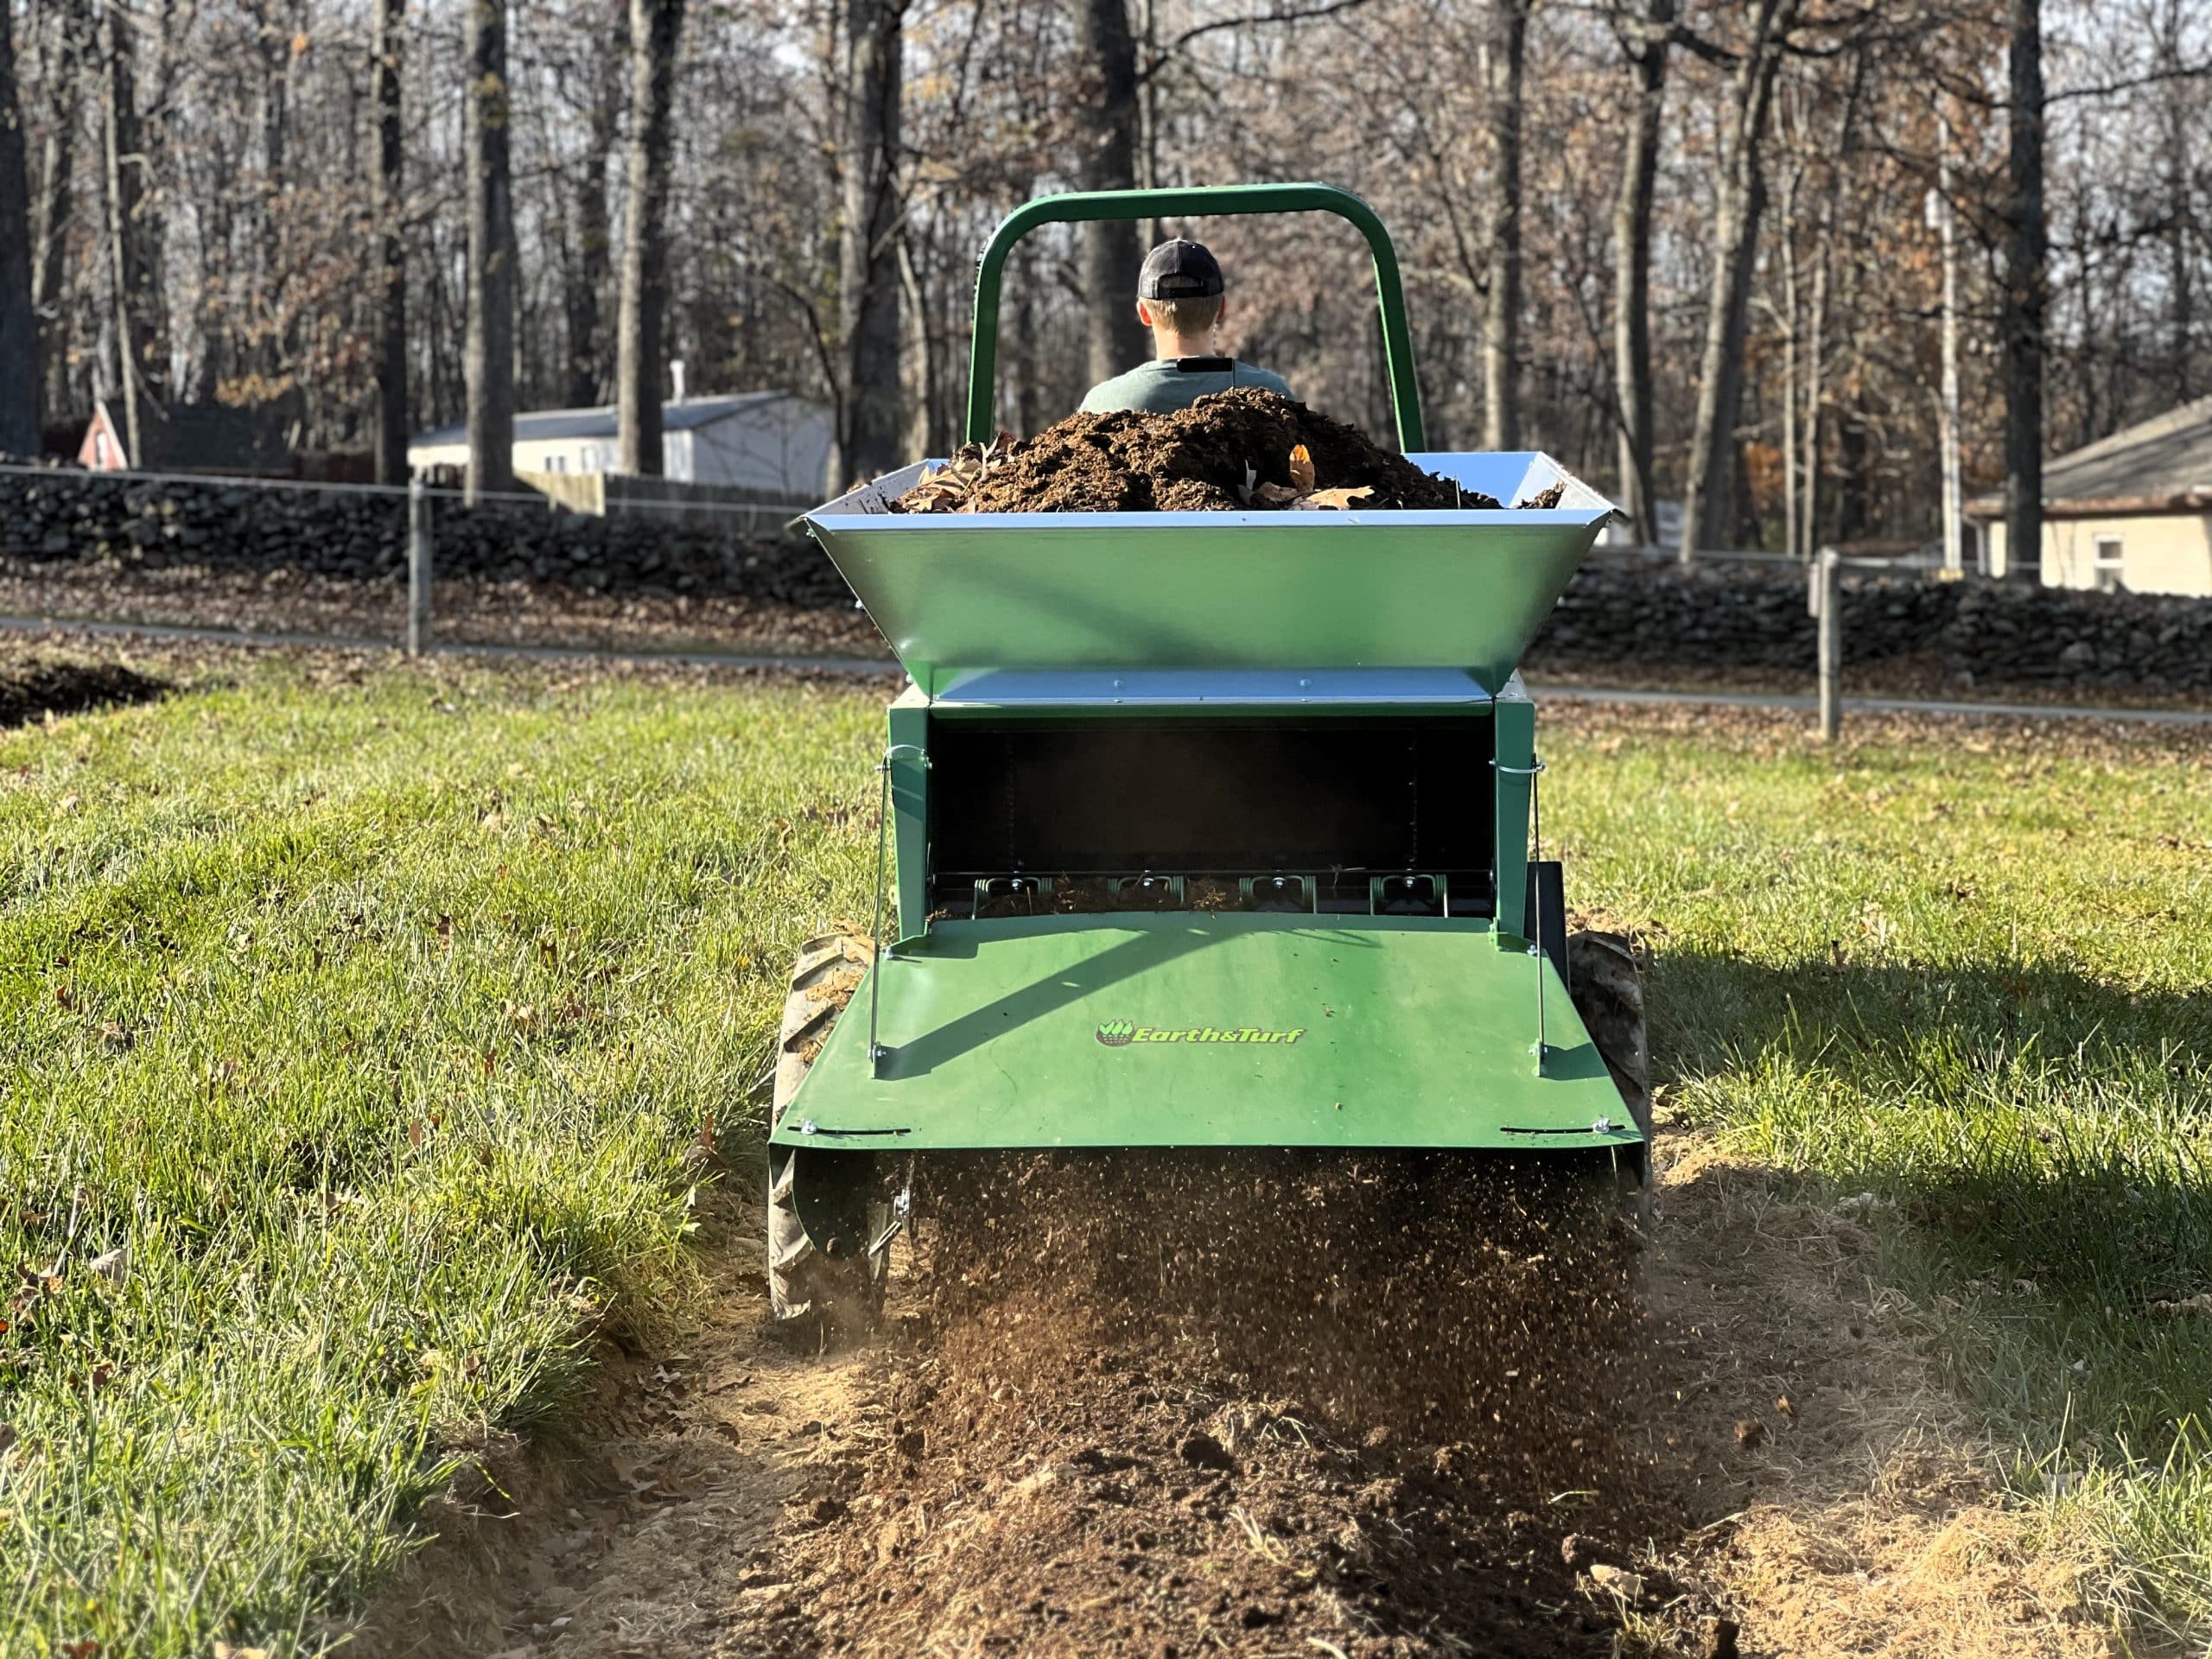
(1246,1403)
(1228,452)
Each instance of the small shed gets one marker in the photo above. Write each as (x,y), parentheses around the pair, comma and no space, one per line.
(776,441)
(2130,511)
(232,439)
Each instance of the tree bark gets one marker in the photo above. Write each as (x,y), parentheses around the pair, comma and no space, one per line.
(2176,105)
(589,373)
(387,206)
(1741,193)
(491,348)
(1110,255)
(869,422)
(2026,290)
(51,206)
(130,270)
(1632,269)
(654,26)
(1505,51)
(19,354)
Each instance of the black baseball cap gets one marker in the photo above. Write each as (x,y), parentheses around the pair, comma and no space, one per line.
(1181,270)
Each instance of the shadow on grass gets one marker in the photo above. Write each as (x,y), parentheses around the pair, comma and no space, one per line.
(2050,1133)
(31,692)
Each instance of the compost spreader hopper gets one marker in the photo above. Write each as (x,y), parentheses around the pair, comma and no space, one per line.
(1203,829)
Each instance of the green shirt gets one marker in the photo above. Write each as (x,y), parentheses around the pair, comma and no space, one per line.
(1160,388)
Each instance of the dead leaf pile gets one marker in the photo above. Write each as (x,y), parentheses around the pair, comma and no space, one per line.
(947,488)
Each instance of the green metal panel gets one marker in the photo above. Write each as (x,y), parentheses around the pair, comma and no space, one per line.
(1191,203)
(1514,724)
(907,757)
(957,595)
(1360,1031)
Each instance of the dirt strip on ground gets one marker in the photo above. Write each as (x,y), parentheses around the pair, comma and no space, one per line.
(1103,1436)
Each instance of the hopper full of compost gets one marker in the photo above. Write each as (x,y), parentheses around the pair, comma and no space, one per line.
(963,595)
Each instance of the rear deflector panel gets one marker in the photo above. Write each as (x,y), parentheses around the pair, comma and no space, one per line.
(1176,1029)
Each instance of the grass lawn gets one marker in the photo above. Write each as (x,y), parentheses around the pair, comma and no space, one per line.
(1964,974)
(354,1028)
(371,1021)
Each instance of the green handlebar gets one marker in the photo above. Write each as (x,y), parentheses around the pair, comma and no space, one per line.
(1397,343)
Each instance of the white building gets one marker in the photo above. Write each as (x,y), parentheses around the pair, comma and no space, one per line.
(768,441)
(2133,511)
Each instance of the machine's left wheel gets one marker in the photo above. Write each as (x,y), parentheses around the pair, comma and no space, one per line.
(836,1291)
(1607,988)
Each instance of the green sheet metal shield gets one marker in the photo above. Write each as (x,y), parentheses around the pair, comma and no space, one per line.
(959,594)
(1179,1028)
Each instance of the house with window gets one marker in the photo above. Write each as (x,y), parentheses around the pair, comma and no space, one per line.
(773,441)
(2131,511)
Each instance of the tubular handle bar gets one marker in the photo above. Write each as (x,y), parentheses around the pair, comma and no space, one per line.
(1190,203)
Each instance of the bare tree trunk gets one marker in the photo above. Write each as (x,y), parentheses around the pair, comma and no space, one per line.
(1947,423)
(654,26)
(867,288)
(1788,319)
(2178,97)
(124,169)
(588,369)
(2026,291)
(1111,256)
(51,206)
(19,356)
(1148,114)
(928,426)
(1809,519)
(1632,269)
(1504,51)
(387,206)
(491,349)
(1707,519)
(275,99)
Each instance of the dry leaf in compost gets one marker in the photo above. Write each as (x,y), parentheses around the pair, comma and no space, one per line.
(1301,470)
(1339,499)
(1274,495)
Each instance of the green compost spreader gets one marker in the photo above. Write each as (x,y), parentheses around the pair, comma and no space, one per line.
(1205,831)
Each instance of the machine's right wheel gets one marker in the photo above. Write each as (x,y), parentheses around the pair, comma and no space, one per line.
(811,1290)
(1607,989)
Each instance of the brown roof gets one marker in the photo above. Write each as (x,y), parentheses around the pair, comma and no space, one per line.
(2161,465)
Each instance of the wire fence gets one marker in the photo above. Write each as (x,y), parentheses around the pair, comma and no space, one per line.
(695,574)
(630,565)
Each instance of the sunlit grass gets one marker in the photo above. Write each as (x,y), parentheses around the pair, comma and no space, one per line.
(1971,975)
(371,1020)
(370,1023)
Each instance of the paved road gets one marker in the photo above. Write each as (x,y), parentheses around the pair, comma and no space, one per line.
(867,667)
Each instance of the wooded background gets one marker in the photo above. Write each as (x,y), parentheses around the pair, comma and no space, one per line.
(1691,247)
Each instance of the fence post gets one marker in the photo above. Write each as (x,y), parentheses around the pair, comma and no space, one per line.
(418,569)
(1828,607)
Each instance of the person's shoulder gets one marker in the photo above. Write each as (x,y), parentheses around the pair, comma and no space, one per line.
(1124,390)
(1251,374)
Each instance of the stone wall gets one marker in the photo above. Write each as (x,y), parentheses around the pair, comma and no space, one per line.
(1622,612)
(362,535)
(1631,611)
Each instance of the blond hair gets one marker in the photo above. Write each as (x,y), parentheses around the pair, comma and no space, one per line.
(1190,315)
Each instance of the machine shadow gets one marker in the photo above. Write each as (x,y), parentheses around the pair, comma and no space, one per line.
(2041,1122)
(1141,954)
